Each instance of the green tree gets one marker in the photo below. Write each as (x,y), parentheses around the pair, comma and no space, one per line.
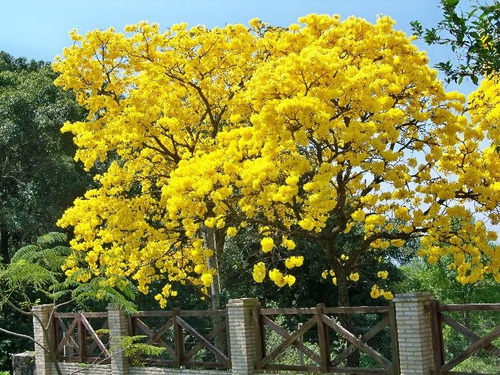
(419,276)
(34,276)
(38,177)
(472,32)
(241,253)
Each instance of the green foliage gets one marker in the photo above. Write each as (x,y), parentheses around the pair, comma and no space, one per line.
(35,268)
(472,34)
(38,176)
(29,279)
(419,276)
(34,276)
(38,268)
(243,251)
(95,295)
(134,349)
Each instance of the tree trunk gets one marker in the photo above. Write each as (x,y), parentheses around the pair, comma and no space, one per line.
(210,238)
(214,240)
(346,319)
(4,244)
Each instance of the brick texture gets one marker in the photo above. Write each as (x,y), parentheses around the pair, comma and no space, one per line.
(414,333)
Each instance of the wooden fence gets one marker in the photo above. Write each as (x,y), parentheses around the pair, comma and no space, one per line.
(81,337)
(203,343)
(322,343)
(190,338)
(430,339)
(465,343)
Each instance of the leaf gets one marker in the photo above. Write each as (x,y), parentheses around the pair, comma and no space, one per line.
(450,4)
(51,238)
(25,253)
(417,28)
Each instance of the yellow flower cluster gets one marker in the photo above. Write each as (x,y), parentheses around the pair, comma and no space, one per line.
(267,244)
(259,272)
(382,274)
(295,261)
(281,280)
(377,292)
(354,276)
(313,131)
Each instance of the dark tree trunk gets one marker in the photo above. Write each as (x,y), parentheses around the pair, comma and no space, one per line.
(4,244)
(346,320)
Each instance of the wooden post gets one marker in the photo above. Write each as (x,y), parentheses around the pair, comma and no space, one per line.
(81,338)
(437,336)
(322,338)
(179,338)
(260,346)
(394,338)
(300,353)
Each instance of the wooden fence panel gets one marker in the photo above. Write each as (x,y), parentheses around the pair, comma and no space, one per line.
(317,350)
(190,338)
(477,336)
(78,340)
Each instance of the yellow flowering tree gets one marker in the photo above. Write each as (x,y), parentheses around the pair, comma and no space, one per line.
(316,131)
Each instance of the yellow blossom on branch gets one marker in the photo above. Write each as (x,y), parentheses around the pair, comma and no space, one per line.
(327,130)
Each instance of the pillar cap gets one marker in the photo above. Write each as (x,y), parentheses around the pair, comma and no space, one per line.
(414,297)
(243,302)
(48,306)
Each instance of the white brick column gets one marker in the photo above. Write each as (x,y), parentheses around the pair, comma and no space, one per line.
(118,324)
(242,335)
(41,316)
(414,333)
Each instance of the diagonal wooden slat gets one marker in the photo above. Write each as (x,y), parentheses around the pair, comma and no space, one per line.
(94,336)
(214,333)
(64,329)
(357,342)
(471,335)
(202,339)
(155,338)
(365,338)
(471,350)
(67,336)
(292,339)
(94,344)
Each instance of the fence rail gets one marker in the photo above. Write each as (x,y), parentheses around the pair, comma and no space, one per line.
(327,339)
(192,338)
(467,338)
(81,337)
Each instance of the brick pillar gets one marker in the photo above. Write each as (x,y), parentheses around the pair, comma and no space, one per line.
(414,333)
(242,335)
(23,363)
(41,316)
(118,324)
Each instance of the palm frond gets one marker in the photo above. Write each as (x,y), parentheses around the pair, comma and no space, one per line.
(51,238)
(25,253)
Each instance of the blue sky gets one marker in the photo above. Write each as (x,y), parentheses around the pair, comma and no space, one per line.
(38,29)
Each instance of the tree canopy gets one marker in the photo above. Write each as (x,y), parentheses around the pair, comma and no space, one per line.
(321,131)
(38,176)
